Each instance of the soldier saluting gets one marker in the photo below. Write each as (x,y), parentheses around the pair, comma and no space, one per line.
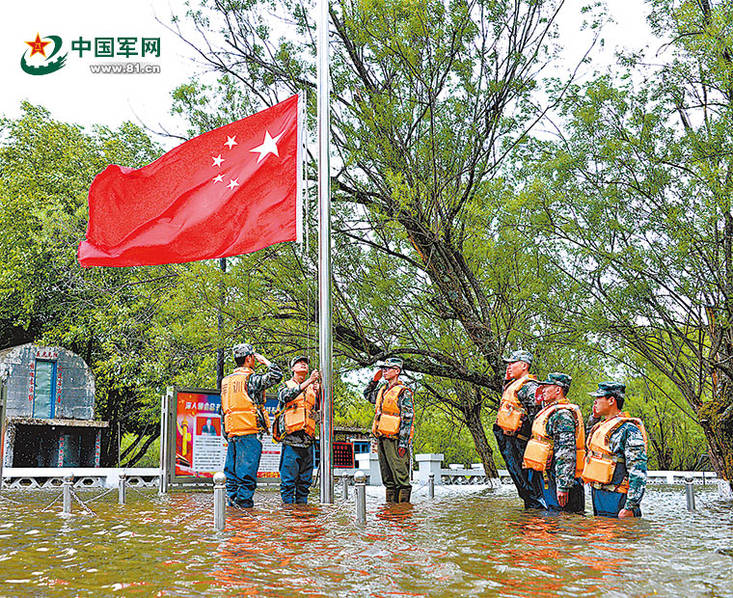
(513,427)
(244,419)
(393,428)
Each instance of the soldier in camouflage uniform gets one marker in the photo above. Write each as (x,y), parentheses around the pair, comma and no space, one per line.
(556,448)
(513,427)
(616,449)
(393,428)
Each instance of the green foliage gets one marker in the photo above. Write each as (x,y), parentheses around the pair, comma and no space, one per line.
(635,207)
(101,314)
(151,458)
(457,236)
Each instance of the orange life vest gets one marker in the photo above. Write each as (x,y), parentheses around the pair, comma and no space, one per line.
(241,415)
(511,411)
(298,413)
(538,453)
(387,416)
(600,461)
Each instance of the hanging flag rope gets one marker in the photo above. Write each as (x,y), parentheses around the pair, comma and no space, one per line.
(230,191)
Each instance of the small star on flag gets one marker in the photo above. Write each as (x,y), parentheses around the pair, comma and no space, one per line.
(269,146)
(177,210)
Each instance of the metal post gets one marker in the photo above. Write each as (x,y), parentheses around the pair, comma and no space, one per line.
(431,485)
(360,486)
(219,500)
(3,395)
(68,481)
(690,494)
(165,403)
(324,256)
(122,489)
(220,326)
(345,487)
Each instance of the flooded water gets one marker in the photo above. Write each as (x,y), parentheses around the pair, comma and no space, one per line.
(468,543)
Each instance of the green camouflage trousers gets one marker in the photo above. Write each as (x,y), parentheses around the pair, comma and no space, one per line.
(395,469)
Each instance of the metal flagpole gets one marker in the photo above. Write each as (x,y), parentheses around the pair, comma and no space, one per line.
(3,396)
(324,257)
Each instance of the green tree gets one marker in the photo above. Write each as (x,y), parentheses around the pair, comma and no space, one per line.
(635,204)
(430,101)
(46,168)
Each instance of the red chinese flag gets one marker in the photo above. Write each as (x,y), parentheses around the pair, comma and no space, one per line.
(232,190)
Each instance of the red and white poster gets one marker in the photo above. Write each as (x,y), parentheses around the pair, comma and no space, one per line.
(200,447)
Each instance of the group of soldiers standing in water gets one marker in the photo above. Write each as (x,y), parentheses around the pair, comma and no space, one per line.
(540,434)
(542,437)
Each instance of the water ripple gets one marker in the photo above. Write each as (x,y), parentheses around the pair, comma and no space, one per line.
(462,543)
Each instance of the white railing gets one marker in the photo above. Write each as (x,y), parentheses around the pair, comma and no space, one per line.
(94,477)
(84,477)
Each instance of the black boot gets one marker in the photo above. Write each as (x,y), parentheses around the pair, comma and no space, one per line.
(404,494)
(390,495)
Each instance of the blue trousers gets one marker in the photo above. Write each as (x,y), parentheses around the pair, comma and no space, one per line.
(296,473)
(529,483)
(576,496)
(608,504)
(242,463)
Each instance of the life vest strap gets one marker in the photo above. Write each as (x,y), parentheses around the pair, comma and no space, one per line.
(622,488)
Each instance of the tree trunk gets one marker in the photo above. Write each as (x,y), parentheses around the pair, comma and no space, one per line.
(716,419)
(472,417)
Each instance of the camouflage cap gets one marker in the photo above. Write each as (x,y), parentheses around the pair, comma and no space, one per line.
(298,358)
(243,350)
(391,362)
(558,379)
(609,389)
(524,356)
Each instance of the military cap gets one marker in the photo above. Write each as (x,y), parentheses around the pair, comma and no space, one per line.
(298,358)
(609,389)
(391,362)
(243,350)
(524,356)
(557,379)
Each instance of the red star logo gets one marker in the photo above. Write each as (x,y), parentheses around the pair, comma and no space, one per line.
(38,46)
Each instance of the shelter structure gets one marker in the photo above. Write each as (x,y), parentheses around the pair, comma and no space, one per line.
(49,410)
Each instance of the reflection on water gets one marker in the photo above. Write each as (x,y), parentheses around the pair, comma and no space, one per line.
(479,543)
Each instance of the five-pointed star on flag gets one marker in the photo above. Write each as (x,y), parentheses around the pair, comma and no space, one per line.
(39,47)
(233,183)
(269,146)
(218,179)
(217,160)
(230,141)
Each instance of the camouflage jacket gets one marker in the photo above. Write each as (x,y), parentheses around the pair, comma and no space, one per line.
(407,412)
(526,396)
(561,429)
(297,439)
(627,443)
(257,384)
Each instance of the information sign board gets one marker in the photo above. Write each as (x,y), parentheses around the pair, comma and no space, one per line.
(197,446)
